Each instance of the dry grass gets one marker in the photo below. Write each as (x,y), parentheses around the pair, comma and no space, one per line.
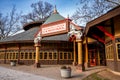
(95,76)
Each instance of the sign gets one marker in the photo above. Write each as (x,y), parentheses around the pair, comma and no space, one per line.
(54,28)
(58,27)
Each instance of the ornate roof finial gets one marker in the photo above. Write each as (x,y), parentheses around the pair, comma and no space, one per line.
(68,16)
(55,10)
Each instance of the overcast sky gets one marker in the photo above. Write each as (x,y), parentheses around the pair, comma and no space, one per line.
(64,7)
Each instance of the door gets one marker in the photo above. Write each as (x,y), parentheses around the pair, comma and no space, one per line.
(92,58)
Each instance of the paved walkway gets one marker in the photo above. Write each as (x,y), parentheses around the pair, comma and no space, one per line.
(46,72)
(8,74)
(109,75)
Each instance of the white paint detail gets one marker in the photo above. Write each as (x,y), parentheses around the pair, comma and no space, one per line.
(38,38)
(74,31)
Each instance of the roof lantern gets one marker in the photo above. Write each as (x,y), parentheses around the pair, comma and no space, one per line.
(55,10)
(55,16)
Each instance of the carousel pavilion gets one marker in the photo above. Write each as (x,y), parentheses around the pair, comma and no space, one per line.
(57,40)
(55,47)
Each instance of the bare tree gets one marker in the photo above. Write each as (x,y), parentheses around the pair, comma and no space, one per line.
(40,10)
(9,24)
(91,9)
(3,21)
(116,2)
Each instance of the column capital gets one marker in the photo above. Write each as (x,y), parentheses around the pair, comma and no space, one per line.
(80,40)
(37,45)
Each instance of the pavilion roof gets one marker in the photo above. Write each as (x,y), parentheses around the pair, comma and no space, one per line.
(53,18)
(29,36)
(24,36)
(61,37)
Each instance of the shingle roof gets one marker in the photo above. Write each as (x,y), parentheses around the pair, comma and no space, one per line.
(53,18)
(27,35)
(27,26)
(61,37)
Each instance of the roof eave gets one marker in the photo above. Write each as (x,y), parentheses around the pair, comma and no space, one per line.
(110,14)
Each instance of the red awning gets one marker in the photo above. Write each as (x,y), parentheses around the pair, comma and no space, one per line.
(98,38)
(105,32)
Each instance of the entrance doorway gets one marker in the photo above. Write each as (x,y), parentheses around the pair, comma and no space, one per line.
(96,54)
(92,57)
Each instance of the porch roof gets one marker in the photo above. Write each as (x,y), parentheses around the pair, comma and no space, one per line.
(110,14)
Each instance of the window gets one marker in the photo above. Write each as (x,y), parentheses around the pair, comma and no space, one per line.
(61,56)
(34,55)
(118,46)
(54,55)
(13,55)
(26,55)
(118,53)
(22,56)
(1,55)
(41,55)
(50,55)
(30,55)
(109,52)
(16,56)
(65,55)
(10,55)
(45,55)
(7,56)
(69,55)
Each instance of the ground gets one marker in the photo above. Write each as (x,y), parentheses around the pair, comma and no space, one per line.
(102,75)
(8,74)
(47,72)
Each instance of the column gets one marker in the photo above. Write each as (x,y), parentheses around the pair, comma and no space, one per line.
(37,64)
(74,52)
(80,63)
(115,56)
(98,57)
(86,55)
(79,51)
(114,44)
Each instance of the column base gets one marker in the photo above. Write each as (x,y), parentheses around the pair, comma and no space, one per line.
(79,68)
(86,65)
(37,65)
(74,63)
